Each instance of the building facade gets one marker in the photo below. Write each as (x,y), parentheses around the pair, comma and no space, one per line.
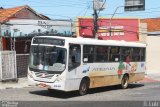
(21,12)
(116,29)
(22,44)
(152,40)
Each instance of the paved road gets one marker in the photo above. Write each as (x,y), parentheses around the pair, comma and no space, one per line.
(135,92)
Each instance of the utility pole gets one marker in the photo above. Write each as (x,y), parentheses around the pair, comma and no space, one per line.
(1,47)
(95,20)
(97,5)
(95,24)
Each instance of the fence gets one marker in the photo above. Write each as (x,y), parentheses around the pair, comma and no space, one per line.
(22,65)
(8,67)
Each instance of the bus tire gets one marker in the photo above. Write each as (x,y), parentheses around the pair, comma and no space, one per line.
(84,86)
(124,82)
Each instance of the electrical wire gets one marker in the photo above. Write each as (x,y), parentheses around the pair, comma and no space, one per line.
(86,10)
(58,25)
(138,12)
(55,2)
(92,21)
(142,12)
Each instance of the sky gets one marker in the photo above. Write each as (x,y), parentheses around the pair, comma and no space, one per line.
(71,9)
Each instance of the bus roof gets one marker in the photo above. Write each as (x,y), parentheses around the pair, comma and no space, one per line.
(90,41)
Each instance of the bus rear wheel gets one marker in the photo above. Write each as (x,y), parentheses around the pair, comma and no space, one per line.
(124,82)
(84,86)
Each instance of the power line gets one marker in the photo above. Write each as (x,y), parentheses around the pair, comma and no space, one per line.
(69,1)
(55,2)
(134,13)
(92,21)
(87,10)
(81,11)
(68,17)
(138,12)
(103,14)
(53,6)
(128,31)
(63,4)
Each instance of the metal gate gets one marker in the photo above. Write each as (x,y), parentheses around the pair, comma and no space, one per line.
(8,67)
(22,65)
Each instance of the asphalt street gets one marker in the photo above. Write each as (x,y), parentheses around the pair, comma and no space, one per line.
(136,91)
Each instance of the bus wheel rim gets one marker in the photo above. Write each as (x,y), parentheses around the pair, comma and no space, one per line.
(125,82)
(83,89)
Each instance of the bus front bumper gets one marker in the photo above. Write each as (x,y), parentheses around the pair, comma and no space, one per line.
(48,85)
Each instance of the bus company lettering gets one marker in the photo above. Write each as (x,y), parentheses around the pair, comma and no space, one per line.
(104,69)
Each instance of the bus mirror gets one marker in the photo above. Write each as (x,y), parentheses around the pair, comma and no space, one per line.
(85,59)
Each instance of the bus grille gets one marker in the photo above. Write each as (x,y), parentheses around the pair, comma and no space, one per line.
(44,75)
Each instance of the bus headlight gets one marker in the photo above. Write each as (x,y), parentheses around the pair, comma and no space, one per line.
(58,79)
(30,75)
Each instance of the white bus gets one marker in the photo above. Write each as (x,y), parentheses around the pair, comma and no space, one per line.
(69,64)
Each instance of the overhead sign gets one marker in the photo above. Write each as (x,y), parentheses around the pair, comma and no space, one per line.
(27,27)
(134,5)
(49,41)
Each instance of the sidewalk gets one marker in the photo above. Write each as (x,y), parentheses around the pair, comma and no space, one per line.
(22,83)
(152,76)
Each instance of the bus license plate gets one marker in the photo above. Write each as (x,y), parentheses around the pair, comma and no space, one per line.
(43,85)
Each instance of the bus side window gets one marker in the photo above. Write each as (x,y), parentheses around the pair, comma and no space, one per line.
(142,54)
(136,55)
(74,56)
(114,54)
(126,54)
(88,53)
(101,54)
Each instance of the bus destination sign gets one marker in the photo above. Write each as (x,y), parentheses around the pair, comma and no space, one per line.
(49,41)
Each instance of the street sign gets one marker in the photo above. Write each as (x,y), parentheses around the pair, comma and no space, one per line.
(134,5)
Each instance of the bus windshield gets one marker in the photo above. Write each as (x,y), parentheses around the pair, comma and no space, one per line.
(47,58)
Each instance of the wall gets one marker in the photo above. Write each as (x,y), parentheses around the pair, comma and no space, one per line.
(153,53)
(22,65)
(143,32)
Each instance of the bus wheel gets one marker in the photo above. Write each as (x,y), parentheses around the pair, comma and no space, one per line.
(124,82)
(84,86)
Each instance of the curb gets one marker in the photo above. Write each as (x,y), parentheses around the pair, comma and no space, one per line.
(22,83)
(148,80)
(15,87)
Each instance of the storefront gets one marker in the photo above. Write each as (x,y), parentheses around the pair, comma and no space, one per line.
(116,29)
